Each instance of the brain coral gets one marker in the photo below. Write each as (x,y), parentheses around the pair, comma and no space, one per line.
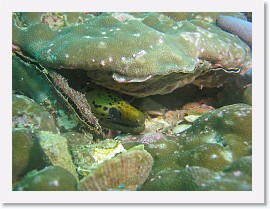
(119,50)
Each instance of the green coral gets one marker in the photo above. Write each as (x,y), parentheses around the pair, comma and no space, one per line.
(221,126)
(23,75)
(51,178)
(198,179)
(222,136)
(167,21)
(210,17)
(244,165)
(214,141)
(208,155)
(124,50)
(237,177)
(165,152)
(247,98)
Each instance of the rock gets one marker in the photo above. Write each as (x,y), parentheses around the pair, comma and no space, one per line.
(198,179)
(240,27)
(51,178)
(26,114)
(179,128)
(26,154)
(27,118)
(56,150)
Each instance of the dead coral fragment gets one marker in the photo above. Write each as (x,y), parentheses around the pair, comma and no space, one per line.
(126,171)
(87,157)
(54,20)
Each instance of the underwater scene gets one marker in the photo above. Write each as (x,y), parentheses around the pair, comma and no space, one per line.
(141,101)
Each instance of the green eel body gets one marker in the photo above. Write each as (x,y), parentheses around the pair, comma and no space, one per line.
(115,113)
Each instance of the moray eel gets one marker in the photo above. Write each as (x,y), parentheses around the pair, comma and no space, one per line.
(242,28)
(115,113)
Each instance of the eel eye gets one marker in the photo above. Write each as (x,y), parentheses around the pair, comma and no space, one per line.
(115,113)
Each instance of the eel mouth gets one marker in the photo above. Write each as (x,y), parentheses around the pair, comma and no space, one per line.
(125,127)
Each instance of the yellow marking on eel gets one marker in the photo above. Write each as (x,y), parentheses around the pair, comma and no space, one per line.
(115,113)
